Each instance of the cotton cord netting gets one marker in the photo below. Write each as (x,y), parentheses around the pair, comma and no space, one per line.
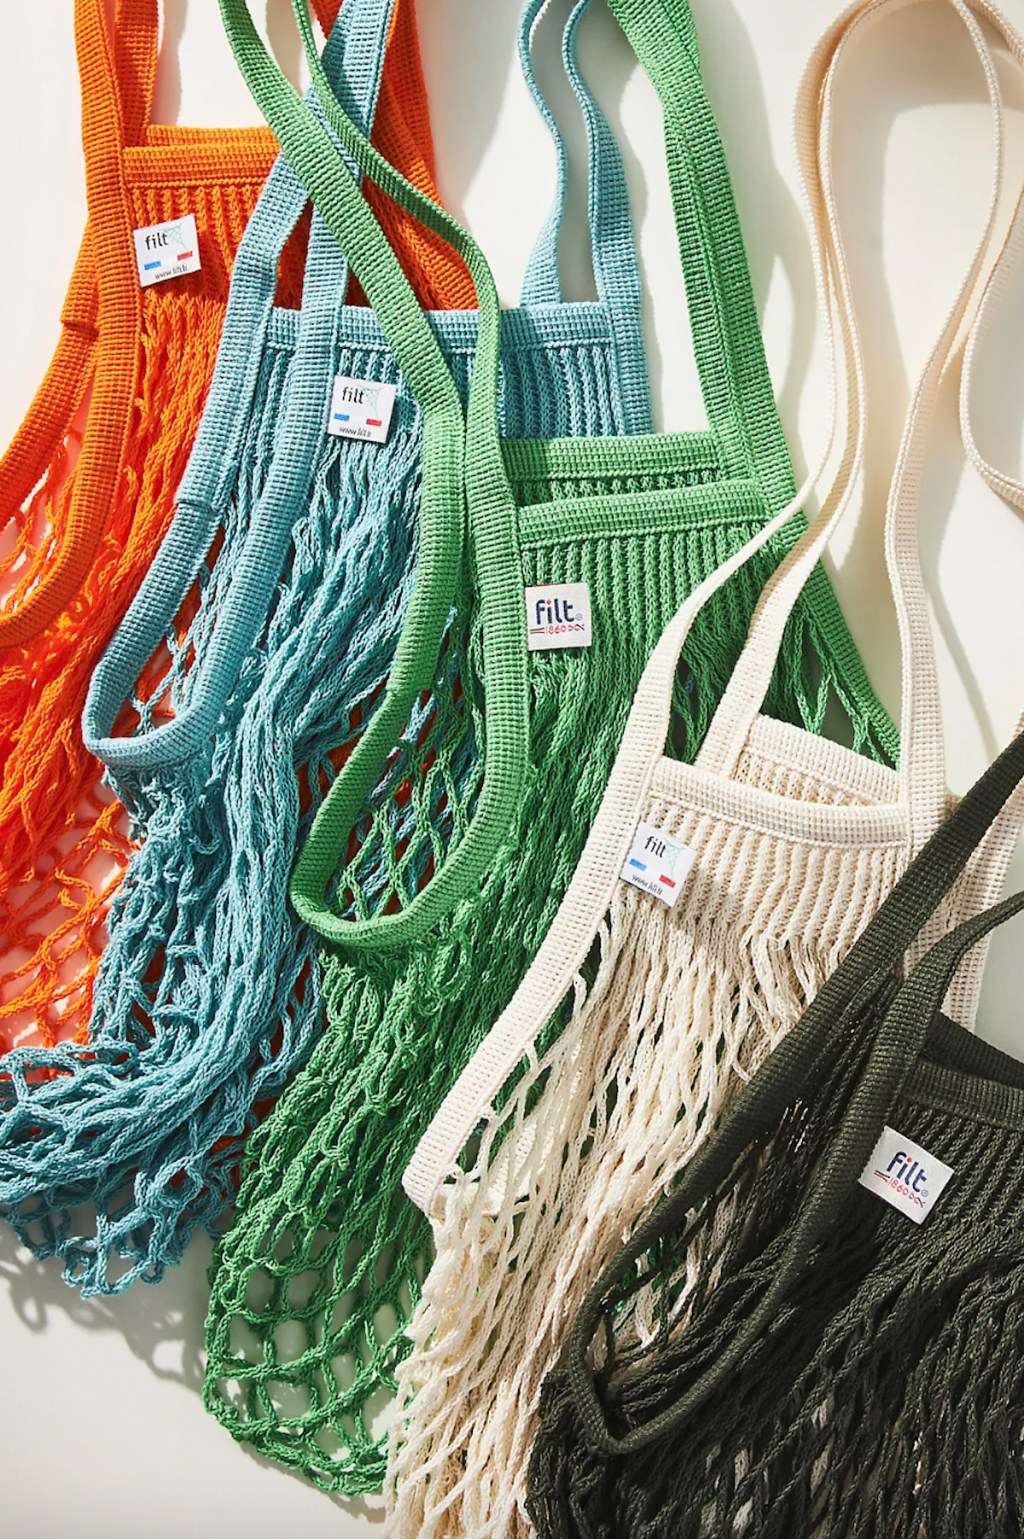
(208,994)
(888,1397)
(672,1012)
(168,914)
(312,1286)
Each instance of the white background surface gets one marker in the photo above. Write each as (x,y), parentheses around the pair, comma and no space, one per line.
(102,1432)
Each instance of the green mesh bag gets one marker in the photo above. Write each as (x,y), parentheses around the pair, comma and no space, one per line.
(474,786)
(820,1330)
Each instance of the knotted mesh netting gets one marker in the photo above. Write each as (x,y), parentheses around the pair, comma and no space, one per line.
(888,1395)
(317,1279)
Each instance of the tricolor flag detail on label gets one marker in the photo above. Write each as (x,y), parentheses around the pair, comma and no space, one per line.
(558,616)
(658,864)
(361,408)
(905,1175)
(167,250)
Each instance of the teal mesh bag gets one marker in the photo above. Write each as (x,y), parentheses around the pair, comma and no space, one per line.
(447,842)
(270,621)
(820,1329)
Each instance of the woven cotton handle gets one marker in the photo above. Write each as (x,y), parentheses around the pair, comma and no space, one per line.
(985,880)
(793,1068)
(922,755)
(494,544)
(355,53)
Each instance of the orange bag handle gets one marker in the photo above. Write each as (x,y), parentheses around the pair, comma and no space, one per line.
(117,86)
(45,424)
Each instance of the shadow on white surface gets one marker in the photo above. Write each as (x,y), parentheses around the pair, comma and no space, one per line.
(774,229)
(162,1326)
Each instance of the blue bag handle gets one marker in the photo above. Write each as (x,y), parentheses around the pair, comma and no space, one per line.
(354,59)
(613,249)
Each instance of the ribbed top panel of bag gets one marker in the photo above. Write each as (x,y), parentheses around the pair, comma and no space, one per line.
(559,371)
(214,174)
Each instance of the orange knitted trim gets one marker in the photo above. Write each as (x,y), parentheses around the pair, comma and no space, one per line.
(141,362)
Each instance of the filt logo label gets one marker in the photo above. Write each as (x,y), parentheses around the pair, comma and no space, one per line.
(361,408)
(657,863)
(558,616)
(905,1175)
(167,250)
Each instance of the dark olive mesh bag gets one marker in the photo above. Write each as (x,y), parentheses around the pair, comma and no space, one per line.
(819,1333)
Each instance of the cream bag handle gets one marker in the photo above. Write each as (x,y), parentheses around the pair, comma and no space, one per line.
(922,773)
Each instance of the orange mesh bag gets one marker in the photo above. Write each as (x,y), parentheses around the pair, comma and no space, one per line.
(84,510)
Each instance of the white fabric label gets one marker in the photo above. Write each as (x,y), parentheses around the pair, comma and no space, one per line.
(657,864)
(558,616)
(167,250)
(905,1175)
(361,408)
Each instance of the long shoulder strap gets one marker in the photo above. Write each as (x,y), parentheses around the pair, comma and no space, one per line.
(327,180)
(922,759)
(440,556)
(985,881)
(381,81)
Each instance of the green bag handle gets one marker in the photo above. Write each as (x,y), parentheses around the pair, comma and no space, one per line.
(738,400)
(795,1067)
(737,390)
(739,403)
(317,163)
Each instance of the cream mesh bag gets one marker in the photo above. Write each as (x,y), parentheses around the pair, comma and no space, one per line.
(648,1004)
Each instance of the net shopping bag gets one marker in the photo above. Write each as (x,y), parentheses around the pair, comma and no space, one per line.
(711,903)
(819,1332)
(313,1286)
(85,509)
